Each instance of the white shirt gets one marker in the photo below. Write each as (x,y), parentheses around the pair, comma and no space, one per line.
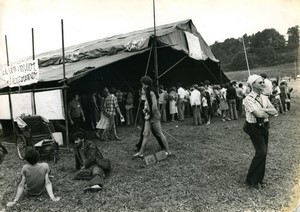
(268,87)
(204,102)
(195,98)
(181,92)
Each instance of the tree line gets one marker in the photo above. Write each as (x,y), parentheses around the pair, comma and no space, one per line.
(264,48)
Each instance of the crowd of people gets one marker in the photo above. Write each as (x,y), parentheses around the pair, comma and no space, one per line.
(201,101)
(257,101)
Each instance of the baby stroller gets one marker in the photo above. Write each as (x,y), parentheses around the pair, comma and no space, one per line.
(34,131)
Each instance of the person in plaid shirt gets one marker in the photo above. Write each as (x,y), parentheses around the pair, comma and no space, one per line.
(258,108)
(110,108)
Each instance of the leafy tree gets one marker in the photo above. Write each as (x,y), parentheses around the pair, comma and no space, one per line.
(267,56)
(238,61)
(293,37)
(264,48)
(268,37)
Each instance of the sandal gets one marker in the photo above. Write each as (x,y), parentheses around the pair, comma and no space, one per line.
(138,155)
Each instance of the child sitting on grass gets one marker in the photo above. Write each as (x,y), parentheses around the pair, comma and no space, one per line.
(35,178)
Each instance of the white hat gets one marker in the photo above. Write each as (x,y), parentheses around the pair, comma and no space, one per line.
(252,78)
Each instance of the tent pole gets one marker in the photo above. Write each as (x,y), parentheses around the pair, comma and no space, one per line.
(33,57)
(155,50)
(9,95)
(139,106)
(65,86)
(221,77)
(148,60)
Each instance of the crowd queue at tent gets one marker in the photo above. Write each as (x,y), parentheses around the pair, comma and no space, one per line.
(201,101)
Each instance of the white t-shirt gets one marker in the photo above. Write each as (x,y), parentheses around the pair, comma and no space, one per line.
(204,102)
(181,92)
(195,98)
(268,87)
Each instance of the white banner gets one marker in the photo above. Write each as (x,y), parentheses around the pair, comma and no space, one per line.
(195,50)
(4,107)
(49,104)
(25,73)
(21,103)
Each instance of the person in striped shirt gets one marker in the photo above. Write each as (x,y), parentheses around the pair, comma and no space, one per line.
(258,108)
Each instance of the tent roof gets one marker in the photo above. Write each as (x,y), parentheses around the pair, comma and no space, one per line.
(102,52)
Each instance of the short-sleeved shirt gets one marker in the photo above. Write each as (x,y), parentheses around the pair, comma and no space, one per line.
(268,87)
(254,101)
(74,107)
(181,93)
(110,105)
(35,178)
(240,93)
(195,98)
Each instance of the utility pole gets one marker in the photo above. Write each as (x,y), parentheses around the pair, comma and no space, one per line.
(246,55)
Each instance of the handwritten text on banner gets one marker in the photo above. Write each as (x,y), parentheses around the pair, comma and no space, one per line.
(25,73)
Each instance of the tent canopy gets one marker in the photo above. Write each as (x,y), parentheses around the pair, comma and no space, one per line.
(126,57)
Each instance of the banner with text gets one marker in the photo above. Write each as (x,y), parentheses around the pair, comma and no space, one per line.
(25,73)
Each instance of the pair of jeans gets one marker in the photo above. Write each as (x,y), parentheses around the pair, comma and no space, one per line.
(180,107)
(129,116)
(260,138)
(232,109)
(196,115)
(94,173)
(162,109)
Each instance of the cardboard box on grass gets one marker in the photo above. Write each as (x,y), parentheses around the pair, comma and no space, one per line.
(158,156)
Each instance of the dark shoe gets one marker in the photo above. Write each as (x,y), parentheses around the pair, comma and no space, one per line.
(262,185)
(92,189)
(252,185)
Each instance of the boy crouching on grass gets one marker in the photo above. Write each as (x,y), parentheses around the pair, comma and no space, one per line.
(35,178)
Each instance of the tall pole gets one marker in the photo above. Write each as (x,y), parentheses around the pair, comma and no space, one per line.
(246,55)
(7,57)
(33,57)
(9,95)
(65,86)
(32,36)
(155,49)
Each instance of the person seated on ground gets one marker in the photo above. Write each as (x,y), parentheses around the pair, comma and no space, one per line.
(90,163)
(3,152)
(35,178)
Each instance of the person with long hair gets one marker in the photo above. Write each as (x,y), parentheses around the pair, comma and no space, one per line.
(152,117)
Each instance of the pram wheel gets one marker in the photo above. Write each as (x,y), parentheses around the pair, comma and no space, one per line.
(21,146)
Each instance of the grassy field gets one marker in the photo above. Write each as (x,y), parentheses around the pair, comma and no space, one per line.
(285,70)
(206,171)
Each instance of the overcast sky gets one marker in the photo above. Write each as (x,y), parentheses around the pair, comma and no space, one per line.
(86,20)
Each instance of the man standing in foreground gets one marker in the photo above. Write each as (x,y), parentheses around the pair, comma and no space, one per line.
(258,108)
